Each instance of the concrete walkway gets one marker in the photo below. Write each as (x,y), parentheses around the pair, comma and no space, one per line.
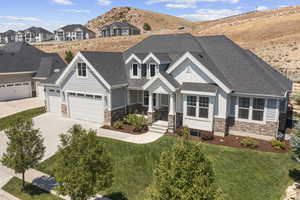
(12,107)
(126,137)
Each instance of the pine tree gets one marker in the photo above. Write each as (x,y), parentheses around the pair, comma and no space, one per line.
(69,56)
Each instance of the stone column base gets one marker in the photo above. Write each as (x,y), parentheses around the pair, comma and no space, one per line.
(171,123)
(151,118)
(107,118)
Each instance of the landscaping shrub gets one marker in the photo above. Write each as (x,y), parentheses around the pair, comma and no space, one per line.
(278,145)
(183,131)
(139,122)
(118,124)
(147,27)
(295,144)
(249,142)
(207,136)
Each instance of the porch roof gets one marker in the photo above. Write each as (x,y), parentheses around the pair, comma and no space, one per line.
(199,87)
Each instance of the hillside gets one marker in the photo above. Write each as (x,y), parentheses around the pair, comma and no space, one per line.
(274,35)
(158,22)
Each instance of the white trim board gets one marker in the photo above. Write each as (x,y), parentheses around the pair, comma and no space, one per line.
(89,65)
(133,56)
(163,79)
(202,67)
(151,55)
(190,92)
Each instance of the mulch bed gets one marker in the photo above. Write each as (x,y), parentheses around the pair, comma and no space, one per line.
(126,129)
(235,141)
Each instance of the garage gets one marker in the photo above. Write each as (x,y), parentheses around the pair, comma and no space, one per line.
(86,107)
(16,90)
(54,100)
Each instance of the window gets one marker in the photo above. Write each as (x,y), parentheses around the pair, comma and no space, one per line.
(191,106)
(51,90)
(152,70)
(134,70)
(89,96)
(282,106)
(80,95)
(146,98)
(81,69)
(258,109)
(203,107)
(244,105)
(98,97)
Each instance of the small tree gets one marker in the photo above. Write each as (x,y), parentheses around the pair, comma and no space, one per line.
(295,144)
(69,56)
(25,147)
(83,167)
(147,27)
(296,98)
(184,173)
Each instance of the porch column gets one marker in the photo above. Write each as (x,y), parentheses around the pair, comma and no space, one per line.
(172,114)
(151,113)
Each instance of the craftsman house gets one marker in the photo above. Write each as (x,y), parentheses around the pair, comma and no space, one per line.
(206,83)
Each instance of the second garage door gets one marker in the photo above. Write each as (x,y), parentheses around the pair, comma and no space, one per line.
(12,91)
(86,107)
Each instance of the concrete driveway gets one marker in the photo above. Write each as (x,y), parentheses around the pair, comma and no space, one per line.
(51,126)
(11,107)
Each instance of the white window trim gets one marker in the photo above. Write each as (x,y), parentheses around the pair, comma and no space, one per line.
(210,108)
(250,120)
(86,70)
(138,71)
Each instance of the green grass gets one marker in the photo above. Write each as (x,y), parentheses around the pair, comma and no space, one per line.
(241,173)
(31,193)
(27,114)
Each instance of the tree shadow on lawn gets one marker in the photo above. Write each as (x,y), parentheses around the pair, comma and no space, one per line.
(116,196)
(295,174)
(33,190)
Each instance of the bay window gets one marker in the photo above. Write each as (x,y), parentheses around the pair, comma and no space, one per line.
(191,106)
(197,106)
(244,106)
(203,107)
(258,109)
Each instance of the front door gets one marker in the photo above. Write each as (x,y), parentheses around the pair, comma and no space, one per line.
(162,113)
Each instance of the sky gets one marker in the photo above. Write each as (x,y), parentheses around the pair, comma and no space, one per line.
(52,14)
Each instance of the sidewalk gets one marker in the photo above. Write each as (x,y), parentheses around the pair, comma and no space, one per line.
(126,137)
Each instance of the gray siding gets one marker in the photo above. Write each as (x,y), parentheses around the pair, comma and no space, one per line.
(271,110)
(91,84)
(118,98)
(233,102)
(15,78)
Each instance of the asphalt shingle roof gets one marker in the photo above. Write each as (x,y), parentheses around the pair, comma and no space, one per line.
(199,87)
(72,27)
(110,65)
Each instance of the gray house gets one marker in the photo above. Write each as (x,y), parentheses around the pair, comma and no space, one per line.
(23,68)
(73,32)
(7,37)
(205,83)
(34,34)
(119,29)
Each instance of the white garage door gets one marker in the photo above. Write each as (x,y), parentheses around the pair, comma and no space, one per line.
(54,100)
(10,91)
(86,107)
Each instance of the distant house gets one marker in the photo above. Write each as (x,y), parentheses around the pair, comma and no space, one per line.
(73,32)
(7,37)
(23,68)
(35,34)
(119,29)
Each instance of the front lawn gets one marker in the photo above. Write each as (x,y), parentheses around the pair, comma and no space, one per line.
(27,114)
(32,192)
(242,174)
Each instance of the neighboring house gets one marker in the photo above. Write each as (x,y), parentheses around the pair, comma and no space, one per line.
(35,34)
(7,37)
(73,32)
(205,83)
(119,29)
(23,68)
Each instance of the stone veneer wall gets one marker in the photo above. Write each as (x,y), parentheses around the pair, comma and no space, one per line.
(266,129)
(112,116)
(179,120)
(220,126)
(171,123)
(64,110)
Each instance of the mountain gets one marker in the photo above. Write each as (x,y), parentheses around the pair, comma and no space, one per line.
(137,17)
(274,34)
